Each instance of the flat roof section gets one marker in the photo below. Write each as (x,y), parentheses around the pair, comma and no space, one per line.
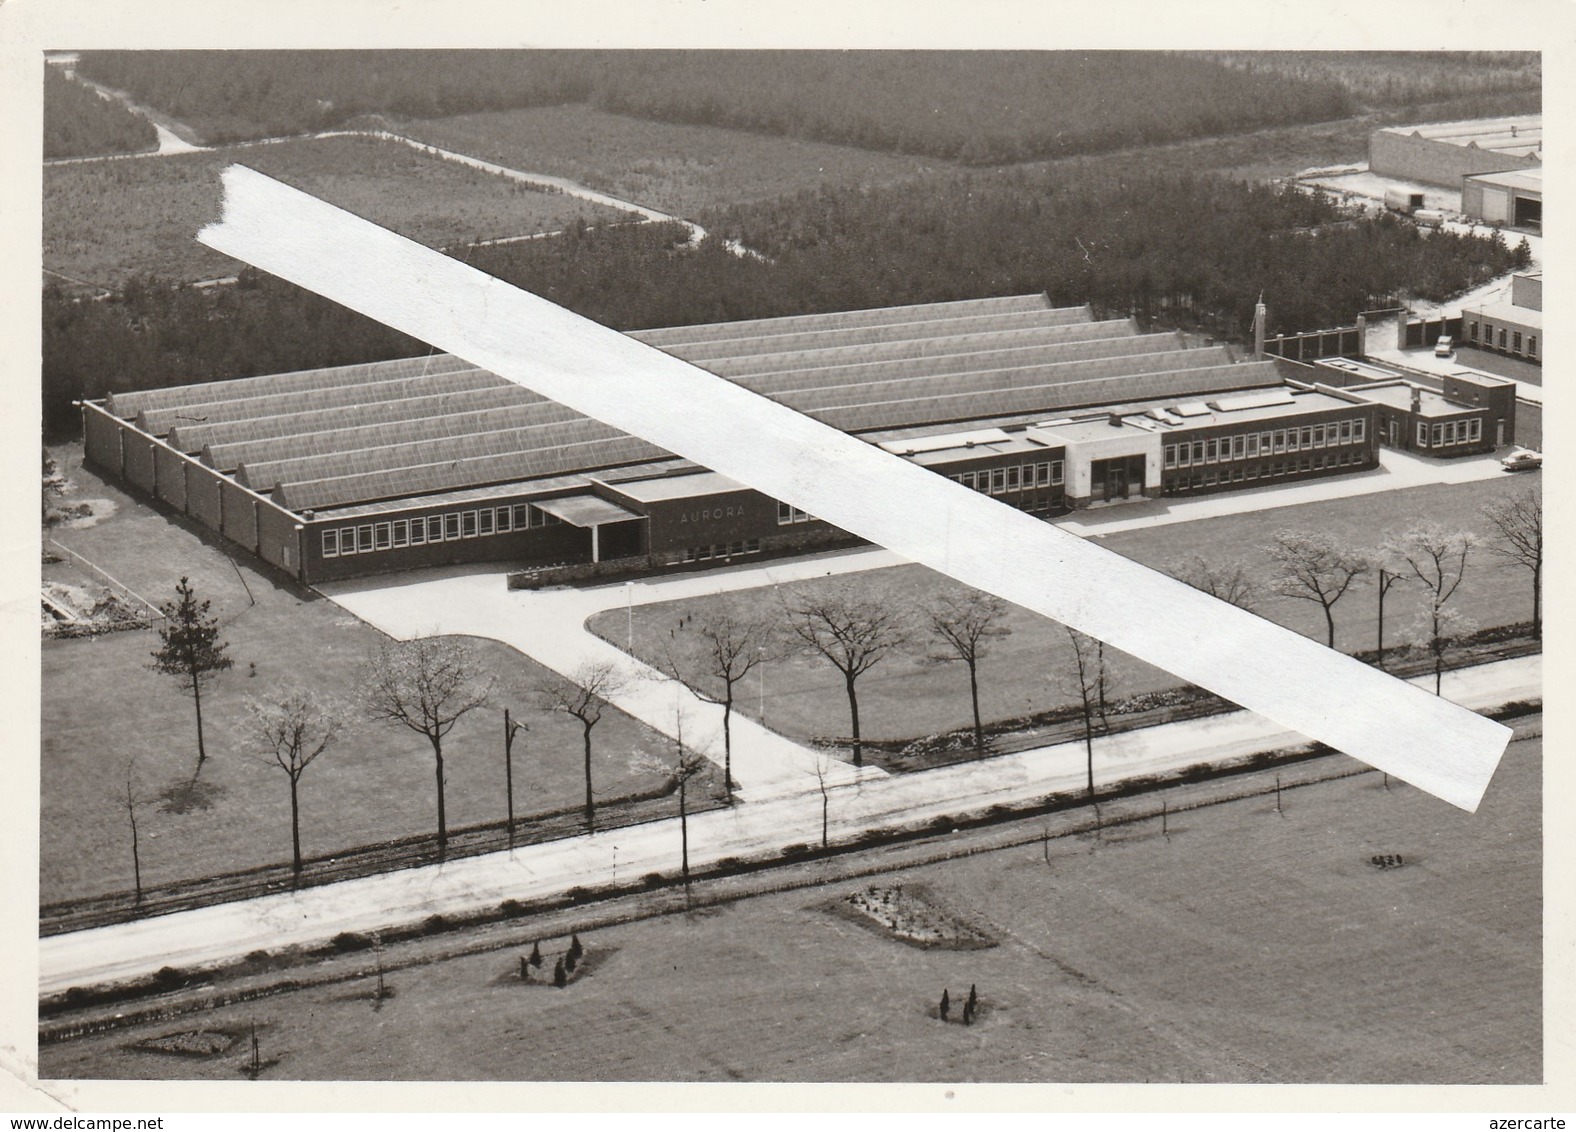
(1509,313)
(676,487)
(1527,180)
(1399,396)
(1523,132)
(586,510)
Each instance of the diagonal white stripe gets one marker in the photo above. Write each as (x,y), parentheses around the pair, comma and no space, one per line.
(1435,745)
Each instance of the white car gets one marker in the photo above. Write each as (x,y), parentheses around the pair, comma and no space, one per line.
(1522,460)
(1444,347)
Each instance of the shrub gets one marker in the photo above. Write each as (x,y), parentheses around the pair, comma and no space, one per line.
(434,924)
(729,865)
(261,955)
(577,894)
(512,908)
(652,880)
(797,849)
(169,978)
(348,941)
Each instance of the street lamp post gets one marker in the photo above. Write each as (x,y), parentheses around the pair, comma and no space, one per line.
(760,672)
(629,611)
(510,726)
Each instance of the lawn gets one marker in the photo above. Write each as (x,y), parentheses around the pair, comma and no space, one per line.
(102,708)
(909,696)
(1246,946)
(106,222)
(681,170)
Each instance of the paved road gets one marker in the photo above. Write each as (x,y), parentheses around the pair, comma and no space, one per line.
(223,931)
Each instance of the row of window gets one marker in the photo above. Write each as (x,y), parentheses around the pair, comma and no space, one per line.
(1268,469)
(1246,446)
(368,538)
(718,550)
(1450,432)
(787,513)
(1017,477)
(1515,339)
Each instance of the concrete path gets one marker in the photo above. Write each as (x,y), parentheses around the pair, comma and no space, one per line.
(212,934)
(549,627)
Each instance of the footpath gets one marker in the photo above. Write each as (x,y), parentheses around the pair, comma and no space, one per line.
(762,829)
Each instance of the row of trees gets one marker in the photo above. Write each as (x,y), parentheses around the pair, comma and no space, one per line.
(976,106)
(78,123)
(1321,569)
(1173,251)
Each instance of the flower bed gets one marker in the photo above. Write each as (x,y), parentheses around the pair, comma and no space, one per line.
(908,914)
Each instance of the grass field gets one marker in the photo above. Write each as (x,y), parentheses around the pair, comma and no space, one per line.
(103,707)
(907,697)
(105,222)
(682,170)
(1246,946)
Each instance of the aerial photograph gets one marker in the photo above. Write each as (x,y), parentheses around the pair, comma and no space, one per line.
(988,567)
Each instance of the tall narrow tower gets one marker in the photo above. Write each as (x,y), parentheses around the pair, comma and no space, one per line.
(1260,316)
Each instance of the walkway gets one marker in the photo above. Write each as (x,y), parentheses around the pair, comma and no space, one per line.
(213,934)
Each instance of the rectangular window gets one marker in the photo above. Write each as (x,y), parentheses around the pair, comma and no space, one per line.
(1305,464)
(1056,471)
(401,532)
(1318,436)
(1198,452)
(451,526)
(752,546)
(1253,471)
(331,544)
(1515,342)
(998,480)
(1185,455)
(1171,455)
(1043,474)
(1236,474)
(364,539)
(347,541)
(1239,447)
(1472,331)
(1357,430)
(1475,430)
(1450,432)
(1211,453)
(434,528)
(502,519)
(784,514)
(484,521)
(1307,437)
(382,535)
(1211,477)
(1346,432)
(1253,444)
(418,531)
(468,524)
(522,516)
(1014,478)
(1502,338)
(1532,345)
(1280,440)
(1439,435)
(1422,435)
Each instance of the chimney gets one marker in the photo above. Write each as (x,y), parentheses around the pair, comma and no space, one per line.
(1114,420)
(1417,399)
(1260,317)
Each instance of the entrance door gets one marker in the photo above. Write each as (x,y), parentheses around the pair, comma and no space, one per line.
(1115,482)
(1395,433)
(1499,434)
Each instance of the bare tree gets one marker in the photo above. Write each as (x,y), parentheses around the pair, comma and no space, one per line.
(427,685)
(1317,567)
(850,632)
(294,731)
(1088,679)
(1385,577)
(965,626)
(686,765)
(190,650)
(1436,557)
(1228,581)
(826,798)
(129,801)
(724,648)
(1518,522)
(584,694)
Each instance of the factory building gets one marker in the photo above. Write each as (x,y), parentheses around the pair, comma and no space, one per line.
(429,461)
(1514,329)
(1470,414)
(1512,198)
(1443,153)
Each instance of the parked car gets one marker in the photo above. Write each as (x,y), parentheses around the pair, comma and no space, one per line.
(1444,347)
(1522,460)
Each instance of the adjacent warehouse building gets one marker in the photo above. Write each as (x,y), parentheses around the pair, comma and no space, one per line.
(1514,329)
(426,461)
(1443,153)
(1513,198)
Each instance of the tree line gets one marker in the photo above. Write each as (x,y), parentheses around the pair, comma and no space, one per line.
(427,685)
(1187,252)
(974,107)
(78,123)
